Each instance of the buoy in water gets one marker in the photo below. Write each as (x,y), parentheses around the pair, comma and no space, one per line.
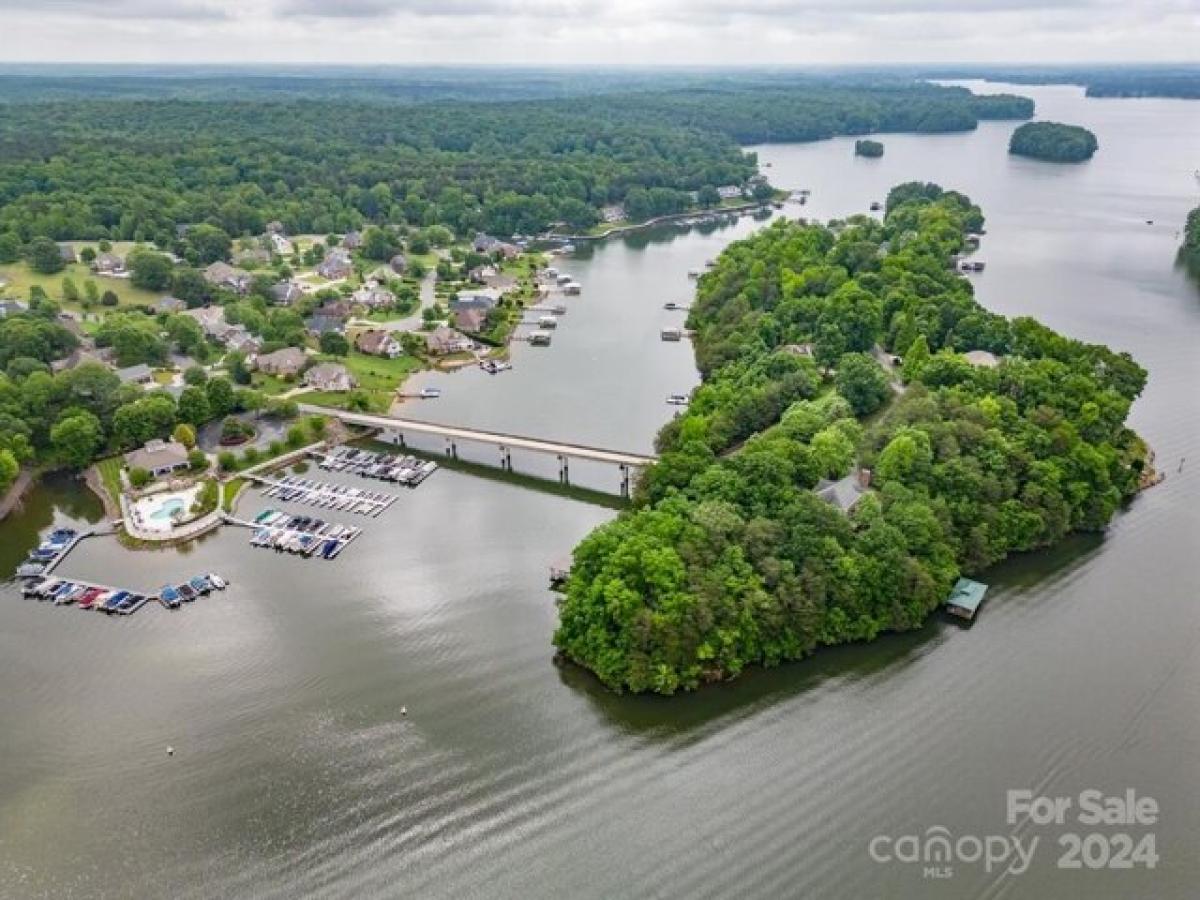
(170,751)
(404,710)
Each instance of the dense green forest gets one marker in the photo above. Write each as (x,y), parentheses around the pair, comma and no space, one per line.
(138,169)
(1053,142)
(728,557)
(868,148)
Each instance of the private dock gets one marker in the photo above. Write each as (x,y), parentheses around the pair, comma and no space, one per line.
(118,601)
(965,599)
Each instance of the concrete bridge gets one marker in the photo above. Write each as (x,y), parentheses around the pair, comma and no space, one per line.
(453,434)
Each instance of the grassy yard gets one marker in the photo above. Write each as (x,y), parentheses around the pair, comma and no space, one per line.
(375,373)
(380,401)
(110,475)
(229,492)
(21,278)
(271,385)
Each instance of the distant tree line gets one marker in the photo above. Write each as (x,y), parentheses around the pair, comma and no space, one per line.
(143,170)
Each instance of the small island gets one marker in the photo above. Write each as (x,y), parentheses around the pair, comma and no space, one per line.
(1053,142)
(868,148)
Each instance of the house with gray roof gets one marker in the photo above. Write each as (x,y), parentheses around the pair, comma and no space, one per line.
(330,377)
(845,492)
(158,457)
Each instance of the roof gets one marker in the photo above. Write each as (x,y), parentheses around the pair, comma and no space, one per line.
(843,493)
(474,300)
(982,358)
(373,341)
(131,374)
(443,339)
(328,373)
(967,594)
(170,304)
(156,455)
(285,358)
(470,319)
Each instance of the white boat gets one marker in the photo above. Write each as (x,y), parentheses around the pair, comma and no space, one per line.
(217,581)
(677,399)
(430,393)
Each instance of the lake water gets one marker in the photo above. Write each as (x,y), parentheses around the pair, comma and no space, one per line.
(295,772)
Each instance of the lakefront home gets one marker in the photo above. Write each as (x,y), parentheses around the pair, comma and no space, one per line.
(443,341)
(330,377)
(378,342)
(470,320)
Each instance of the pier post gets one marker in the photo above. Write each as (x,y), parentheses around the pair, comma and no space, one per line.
(451,448)
(564,473)
(625,481)
(505,459)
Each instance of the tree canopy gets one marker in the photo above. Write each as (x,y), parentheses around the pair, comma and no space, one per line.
(1053,141)
(729,558)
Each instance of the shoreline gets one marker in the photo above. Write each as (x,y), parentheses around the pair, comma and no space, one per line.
(738,210)
(16,492)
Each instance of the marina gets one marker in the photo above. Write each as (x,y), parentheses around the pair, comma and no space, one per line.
(118,601)
(300,535)
(324,495)
(406,470)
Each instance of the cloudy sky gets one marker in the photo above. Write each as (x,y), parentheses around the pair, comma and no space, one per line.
(536,32)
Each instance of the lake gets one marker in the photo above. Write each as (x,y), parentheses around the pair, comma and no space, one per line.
(295,771)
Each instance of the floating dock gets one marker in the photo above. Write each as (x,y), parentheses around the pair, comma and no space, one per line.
(406,470)
(324,495)
(117,601)
(300,535)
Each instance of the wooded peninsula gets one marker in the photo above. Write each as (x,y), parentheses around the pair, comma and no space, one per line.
(809,496)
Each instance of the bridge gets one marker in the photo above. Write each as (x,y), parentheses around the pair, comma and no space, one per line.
(564,452)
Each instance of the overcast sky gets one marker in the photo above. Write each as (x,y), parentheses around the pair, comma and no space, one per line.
(533,32)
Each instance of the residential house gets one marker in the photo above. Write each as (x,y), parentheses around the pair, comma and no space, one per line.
(170,305)
(729,192)
(443,340)
(286,363)
(470,320)
(845,492)
(223,275)
(275,227)
(330,377)
(378,342)
(237,337)
(280,244)
(285,293)
(330,317)
(210,318)
(612,213)
(252,256)
(799,349)
(67,252)
(108,264)
(139,374)
(493,278)
(335,266)
(399,264)
(159,458)
(477,300)
(374,298)
(352,240)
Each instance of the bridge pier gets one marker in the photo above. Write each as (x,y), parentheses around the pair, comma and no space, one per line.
(564,472)
(624,481)
(505,459)
(451,448)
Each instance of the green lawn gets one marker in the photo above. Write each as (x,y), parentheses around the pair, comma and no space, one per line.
(21,278)
(270,384)
(374,373)
(229,493)
(380,401)
(110,475)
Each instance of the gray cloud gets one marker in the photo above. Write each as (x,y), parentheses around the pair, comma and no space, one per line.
(120,9)
(377,9)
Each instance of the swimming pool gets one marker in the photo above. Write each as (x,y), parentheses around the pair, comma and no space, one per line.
(168,509)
